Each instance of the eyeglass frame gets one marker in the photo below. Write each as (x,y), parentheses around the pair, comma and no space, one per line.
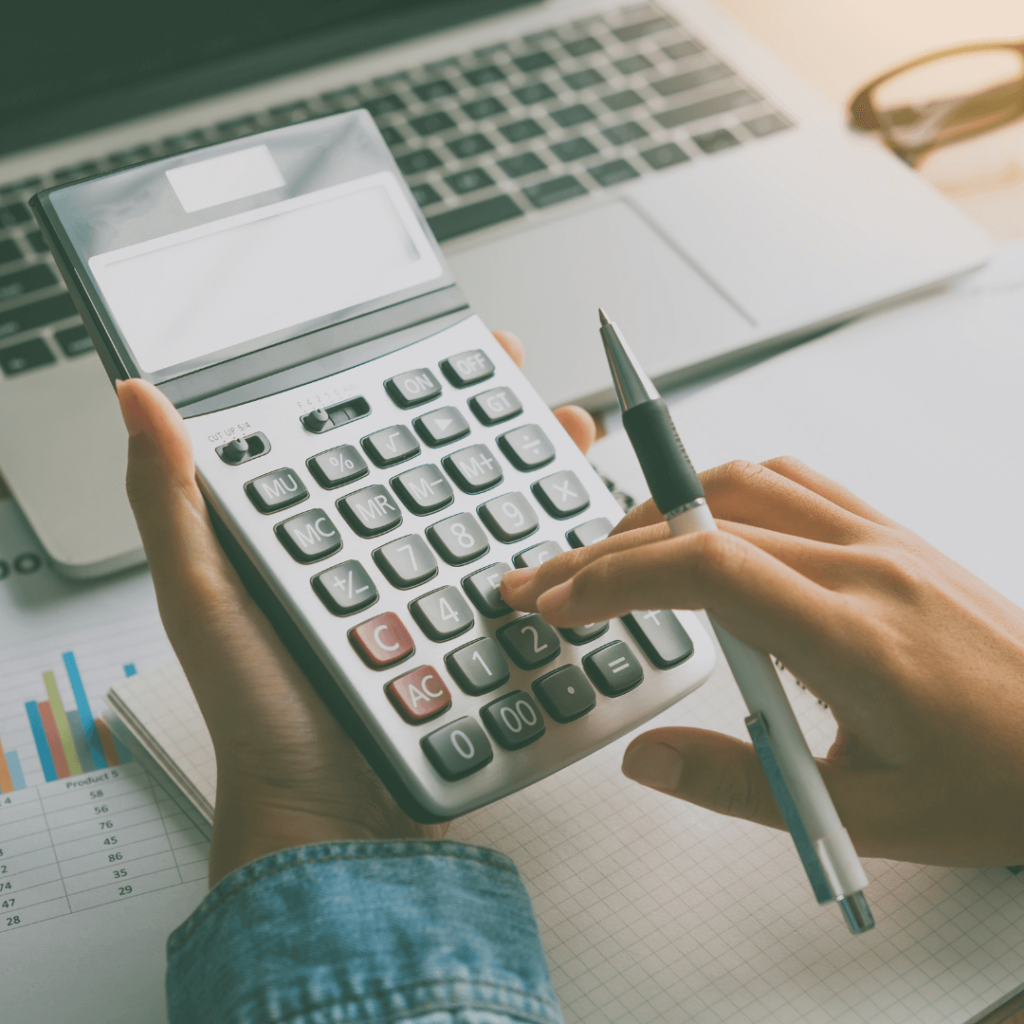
(863,115)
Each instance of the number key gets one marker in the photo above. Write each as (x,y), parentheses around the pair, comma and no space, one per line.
(509,517)
(537,555)
(478,667)
(484,589)
(458,749)
(529,641)
(514,720)
(338,466)
(589,533)
(442,613)
(459,539)
(406,561)
(495,406)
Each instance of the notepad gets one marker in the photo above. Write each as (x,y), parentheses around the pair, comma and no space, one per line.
(655,911)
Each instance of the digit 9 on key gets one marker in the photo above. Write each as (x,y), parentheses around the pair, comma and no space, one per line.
(393,464)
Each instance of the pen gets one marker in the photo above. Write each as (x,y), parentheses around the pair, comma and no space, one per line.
(824,846)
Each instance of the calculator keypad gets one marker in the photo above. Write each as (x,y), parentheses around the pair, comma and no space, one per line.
(413,388)
(495,406)
(370,511)
(275,491)
(614,669)
(661,637)
(406,562)
(442,613)
(509,517)
(391,445)
(474,469)
(589,533)
(423,490)
(309,536)
(514,720)
(345,589)
(484,589)
(529,641)
(458,539)
(441,426)
(337,467)
(458,749)
(478,667)
(382,640)
(580,635)
(561,494)
(419,695)
(527,447)
(537,555)
(467,368)
(566,693)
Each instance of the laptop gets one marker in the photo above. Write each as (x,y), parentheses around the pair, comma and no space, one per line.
(649,158)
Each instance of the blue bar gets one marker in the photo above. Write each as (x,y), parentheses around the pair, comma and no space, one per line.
(14,767)
(99,759)
(129,669)
(78,737)
(39,734)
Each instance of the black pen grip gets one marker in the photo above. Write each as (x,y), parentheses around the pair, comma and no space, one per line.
(667,468)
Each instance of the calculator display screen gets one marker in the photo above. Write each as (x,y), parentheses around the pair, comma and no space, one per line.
(206,289)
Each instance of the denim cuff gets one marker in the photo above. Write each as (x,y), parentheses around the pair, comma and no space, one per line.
(361,933)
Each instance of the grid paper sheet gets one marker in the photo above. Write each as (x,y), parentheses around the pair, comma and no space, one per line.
(656,912)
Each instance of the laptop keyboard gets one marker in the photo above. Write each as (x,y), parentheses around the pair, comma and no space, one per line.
(482,138)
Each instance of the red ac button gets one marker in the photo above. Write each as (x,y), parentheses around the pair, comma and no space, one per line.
(419,694)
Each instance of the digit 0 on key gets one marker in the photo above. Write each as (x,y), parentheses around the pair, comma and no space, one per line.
(459,749)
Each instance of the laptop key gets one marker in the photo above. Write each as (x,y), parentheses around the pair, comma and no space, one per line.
(622,134)
(469,181)
(692,79)
(666,155)
(520,131)
(21,282)
(431,124)
(534,61)
(627,33)
(631,65)
(9,250)
(558,190)
(613,172)
(381,105)
(14,214)
(434,90)
(35,314)
(392,136)
(26,355)
(583,79)
(470,145)
(712,142)
(574,149)
(485,75)
(421,160)
(453,223)
(766,125)
(36,240)
(569,116)
(426,195)
(74,341)
(517,166)
(622,100)
(536,93)
(682,49)
(581,47)
(705,108)
(479,109)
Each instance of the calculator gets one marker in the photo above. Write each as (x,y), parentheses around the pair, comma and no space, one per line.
(372,459)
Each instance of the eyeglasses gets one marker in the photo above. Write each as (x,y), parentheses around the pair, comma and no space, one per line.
(980,87)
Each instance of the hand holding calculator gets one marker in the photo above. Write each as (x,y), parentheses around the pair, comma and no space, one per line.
(372,458)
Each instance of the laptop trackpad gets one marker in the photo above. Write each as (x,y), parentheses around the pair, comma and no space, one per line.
(545,283)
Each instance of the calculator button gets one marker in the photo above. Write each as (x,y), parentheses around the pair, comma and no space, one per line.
(561,494)
(579,635)
(275,491)
(467,368)
(419,694)
(614,669)
(495,406)
(370,511)
(474,469)
(394,444)
(382,640)
(527,447)
(423,490)
(529,641)
(458,749)
(242,449)
(413,388)
(442,613)
(537,555)
(478,667)
(345,588)
(406,562)
(338,466)
(309,536)
(565,694)
(660,636)
(459,539)
(484,589)
(514,720)
(441,426)
(589,533)
(509,517)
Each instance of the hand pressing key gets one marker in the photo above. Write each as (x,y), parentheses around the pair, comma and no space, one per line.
(921,663)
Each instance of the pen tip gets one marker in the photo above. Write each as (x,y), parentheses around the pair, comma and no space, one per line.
(604,318)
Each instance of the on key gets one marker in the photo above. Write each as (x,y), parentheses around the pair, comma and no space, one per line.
(413,388)
(660,636)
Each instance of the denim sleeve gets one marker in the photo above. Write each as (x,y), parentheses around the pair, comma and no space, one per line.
(363,933)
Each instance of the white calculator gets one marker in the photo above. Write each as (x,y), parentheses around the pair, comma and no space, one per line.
(373,460)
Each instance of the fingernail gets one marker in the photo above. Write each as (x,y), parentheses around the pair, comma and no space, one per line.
(555,599)
(131,413)
(653,764)
(516,578)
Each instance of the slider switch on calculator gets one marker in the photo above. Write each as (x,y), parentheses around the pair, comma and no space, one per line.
(242,449)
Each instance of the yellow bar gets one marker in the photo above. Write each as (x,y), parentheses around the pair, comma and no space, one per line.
(67,741)
(6,785)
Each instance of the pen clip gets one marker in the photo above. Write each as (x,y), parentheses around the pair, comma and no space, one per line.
(757,726)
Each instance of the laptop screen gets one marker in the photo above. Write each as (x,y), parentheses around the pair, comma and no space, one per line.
(76,67)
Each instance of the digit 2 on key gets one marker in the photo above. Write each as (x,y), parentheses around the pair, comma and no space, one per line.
(392,461)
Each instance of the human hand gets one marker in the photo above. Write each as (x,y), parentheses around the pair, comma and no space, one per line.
(287,772)
(920,662)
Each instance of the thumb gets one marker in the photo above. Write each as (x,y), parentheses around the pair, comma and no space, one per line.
(705,768)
